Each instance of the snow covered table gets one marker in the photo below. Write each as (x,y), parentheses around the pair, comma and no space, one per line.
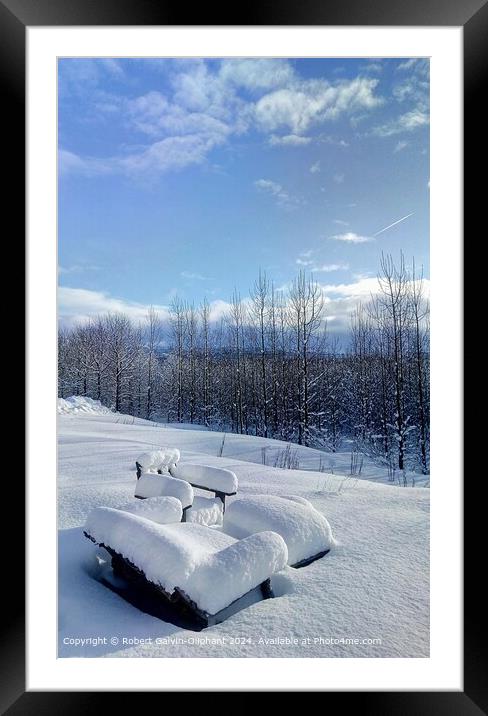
(306,532)
(200,569)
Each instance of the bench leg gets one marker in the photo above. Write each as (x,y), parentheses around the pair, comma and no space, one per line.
(221,496)
(185,510)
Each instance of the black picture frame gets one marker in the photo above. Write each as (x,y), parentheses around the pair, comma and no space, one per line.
(15,17)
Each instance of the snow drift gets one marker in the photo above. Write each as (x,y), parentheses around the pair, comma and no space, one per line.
(78,404)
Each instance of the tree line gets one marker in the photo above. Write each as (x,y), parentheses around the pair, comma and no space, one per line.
(271,368)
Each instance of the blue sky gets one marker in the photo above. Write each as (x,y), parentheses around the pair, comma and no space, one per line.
(187,176)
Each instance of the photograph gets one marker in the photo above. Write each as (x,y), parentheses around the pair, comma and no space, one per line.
(243,357)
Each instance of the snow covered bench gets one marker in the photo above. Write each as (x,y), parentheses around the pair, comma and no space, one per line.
(201,570)
(306,532)
(157,461)
(162,510)
(155,485)
(180,481)
(221,481)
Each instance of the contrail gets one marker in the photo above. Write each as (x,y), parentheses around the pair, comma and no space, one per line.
(394,223)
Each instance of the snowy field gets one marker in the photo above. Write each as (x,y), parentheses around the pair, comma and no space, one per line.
(369,597)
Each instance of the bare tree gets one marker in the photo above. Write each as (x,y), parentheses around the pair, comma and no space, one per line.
(153,338)
(306,307)
(177,320)
(420,316)
(260,313)
(394,301)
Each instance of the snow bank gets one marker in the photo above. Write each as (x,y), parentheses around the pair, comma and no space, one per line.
(205,511)
(153,485)
(78,404)
(210,567)
(305,531)
(214,478)
(161,459)
(162,510)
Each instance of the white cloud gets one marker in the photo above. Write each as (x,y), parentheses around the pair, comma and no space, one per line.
(411,63)
(206,103)
(352,238)
(359,289)
(303,262)
(77,268)
(282,197)
(71,163)
(113,67)
(413,90)
(219,310)
(408,122)
(257,74)
(341,300)
(310,102)
(341,222)
(155,116)
(339,178)
(329,268)
(372,67)
(289,140)
(78,305)
(168,154)
(315,168)
(79,75)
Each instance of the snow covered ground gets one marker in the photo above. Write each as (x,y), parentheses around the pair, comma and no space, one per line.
(368,598)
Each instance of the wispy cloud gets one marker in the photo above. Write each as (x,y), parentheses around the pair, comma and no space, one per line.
(205,104)
(408,122)
(303,262)
(352,238)
(408,64)
(413,90)
(329,268)
(399,221)
(283,199)
(329,139)
(192,276)
(309,102)
(289,140)
(79,305)
(77,268)
(315,168)
(341,222)
(339,178)
(372,67)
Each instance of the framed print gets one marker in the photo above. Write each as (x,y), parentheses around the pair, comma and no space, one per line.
(244,308)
